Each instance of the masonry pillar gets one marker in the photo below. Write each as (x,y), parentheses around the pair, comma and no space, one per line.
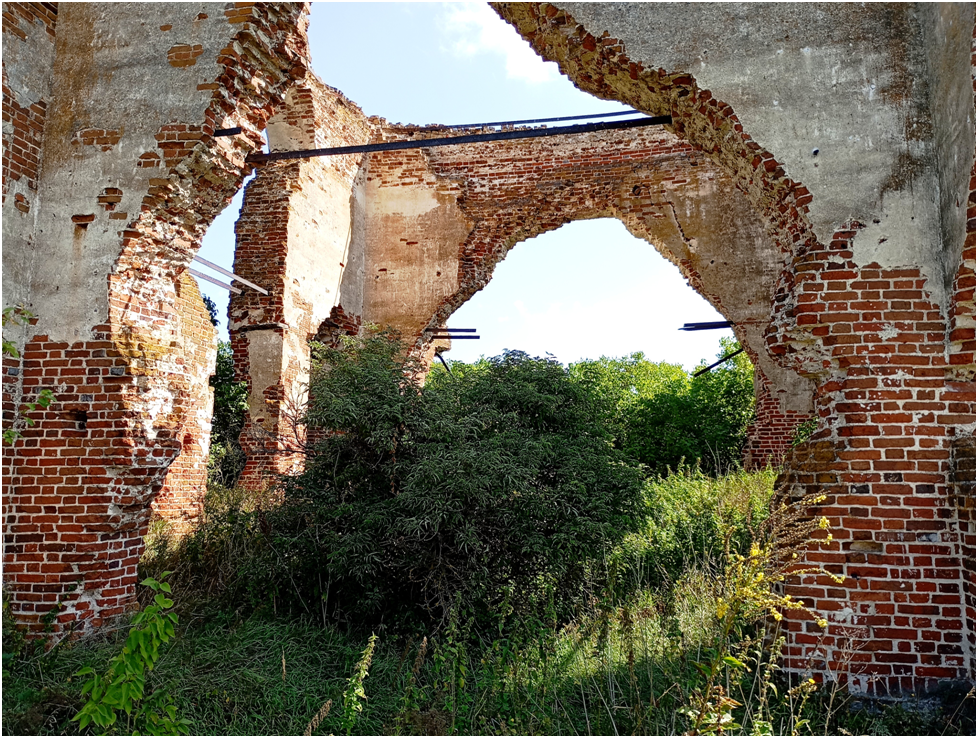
(127,185)
(300,236)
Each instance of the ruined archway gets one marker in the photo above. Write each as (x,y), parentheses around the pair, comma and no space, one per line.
(865,320)
(864,255)
(115,192)
(424,229)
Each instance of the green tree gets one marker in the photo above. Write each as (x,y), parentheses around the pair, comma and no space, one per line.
(664,417)
(497,483)
(227,460)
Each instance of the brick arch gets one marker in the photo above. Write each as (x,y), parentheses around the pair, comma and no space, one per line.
(601,66)
(894,376)
(129,349)
(493,196)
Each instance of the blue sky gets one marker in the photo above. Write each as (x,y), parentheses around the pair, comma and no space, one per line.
(585,290)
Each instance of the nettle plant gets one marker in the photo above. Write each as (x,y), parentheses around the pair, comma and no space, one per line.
(122,689)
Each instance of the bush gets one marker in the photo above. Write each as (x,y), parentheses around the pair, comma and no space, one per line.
(665,418)
(689,522)
(226,460)
(496,484)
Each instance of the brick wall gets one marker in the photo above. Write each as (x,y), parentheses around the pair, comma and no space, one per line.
(80,482)
(179,501)
(437,221)
(405,239)
(770,436)
(298,238)
(895,395)
(27,25)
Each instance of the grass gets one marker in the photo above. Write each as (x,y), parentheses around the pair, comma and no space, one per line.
(627,664)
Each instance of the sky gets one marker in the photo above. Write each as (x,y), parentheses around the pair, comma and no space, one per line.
(586,290)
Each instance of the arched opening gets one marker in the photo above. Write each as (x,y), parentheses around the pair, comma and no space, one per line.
(584,290)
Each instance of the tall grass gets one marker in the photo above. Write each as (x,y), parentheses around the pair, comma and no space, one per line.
(631,661)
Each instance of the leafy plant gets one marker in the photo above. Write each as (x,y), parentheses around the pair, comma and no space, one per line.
(665,418)
(122,689)
(227,460)
(804,431)
(354,695)
(498,479)
(21,316)
(750,593)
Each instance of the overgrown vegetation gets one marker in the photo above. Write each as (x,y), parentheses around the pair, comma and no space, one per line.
(663,417)
(487,554)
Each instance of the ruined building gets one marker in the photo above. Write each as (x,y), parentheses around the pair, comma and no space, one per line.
(816,185)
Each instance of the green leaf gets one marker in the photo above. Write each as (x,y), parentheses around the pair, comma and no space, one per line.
(163,601)
(731,661)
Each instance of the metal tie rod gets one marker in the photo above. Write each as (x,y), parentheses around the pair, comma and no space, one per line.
(715,325)
(530,120)
(218,282)
(232,275)
(718,363)
(456,140)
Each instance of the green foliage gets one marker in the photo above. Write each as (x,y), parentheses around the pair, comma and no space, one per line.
(211,310)
(664,418)
(497,482)
(21,316)
(14,642)
(690,523)
(627,663)
(354,695)
(804,431)
(123,687)
(227,460)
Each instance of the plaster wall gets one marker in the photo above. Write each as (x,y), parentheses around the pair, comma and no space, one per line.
(28,62)
(851,82)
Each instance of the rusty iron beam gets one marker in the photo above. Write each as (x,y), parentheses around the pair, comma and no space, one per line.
(458,140)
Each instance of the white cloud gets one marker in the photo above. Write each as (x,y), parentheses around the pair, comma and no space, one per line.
(474,28)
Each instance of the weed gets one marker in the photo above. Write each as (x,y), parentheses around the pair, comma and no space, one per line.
(123,687)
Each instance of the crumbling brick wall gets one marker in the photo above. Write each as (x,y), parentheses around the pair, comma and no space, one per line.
(180,501)
(437,221)
(299,237)
(123,197)
(122,186)
(895,389)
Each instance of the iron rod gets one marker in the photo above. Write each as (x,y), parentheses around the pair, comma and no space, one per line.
(226,273)
(532,120)
(456,140)
(718,363)
(715,325)
(199,275)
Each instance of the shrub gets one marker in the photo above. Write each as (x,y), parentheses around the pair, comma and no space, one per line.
(497,483)
(689,522)
(665,418)
(226,460)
